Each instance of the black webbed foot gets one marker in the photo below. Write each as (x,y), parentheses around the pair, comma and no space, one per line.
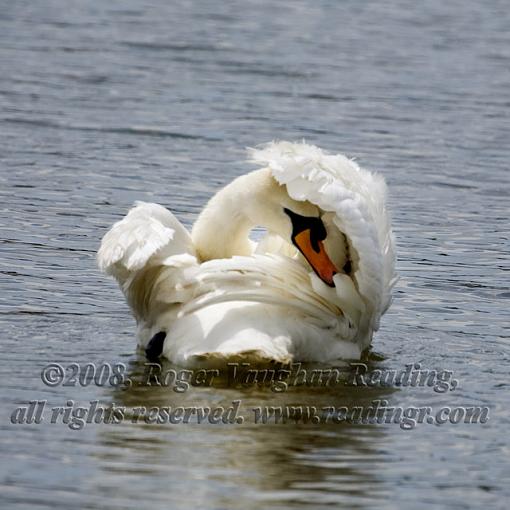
(155,346)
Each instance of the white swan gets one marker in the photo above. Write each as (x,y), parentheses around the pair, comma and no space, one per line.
(313,289)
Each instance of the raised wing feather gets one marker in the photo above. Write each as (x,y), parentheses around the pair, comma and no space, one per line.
(357,197)
(147,246)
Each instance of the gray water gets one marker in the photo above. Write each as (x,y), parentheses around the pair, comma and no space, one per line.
(105,103)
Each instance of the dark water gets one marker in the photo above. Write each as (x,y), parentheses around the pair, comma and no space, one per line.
(104,103)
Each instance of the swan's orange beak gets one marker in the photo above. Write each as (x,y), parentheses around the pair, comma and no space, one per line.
(319,260)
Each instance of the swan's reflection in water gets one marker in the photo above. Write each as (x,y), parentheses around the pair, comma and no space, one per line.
(273,465)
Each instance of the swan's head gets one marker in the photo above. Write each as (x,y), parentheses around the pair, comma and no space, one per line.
(258,200)
(308,234)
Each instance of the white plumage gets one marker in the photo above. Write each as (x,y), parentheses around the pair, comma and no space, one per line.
(219,296)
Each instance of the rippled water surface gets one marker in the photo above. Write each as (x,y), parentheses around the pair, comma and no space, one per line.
(105,103)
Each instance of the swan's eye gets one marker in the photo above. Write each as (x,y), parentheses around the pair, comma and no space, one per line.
(307,235)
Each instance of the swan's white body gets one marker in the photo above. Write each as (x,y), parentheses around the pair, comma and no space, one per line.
(219,296)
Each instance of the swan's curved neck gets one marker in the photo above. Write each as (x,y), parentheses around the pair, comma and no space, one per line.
(223,227)
(252,200)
